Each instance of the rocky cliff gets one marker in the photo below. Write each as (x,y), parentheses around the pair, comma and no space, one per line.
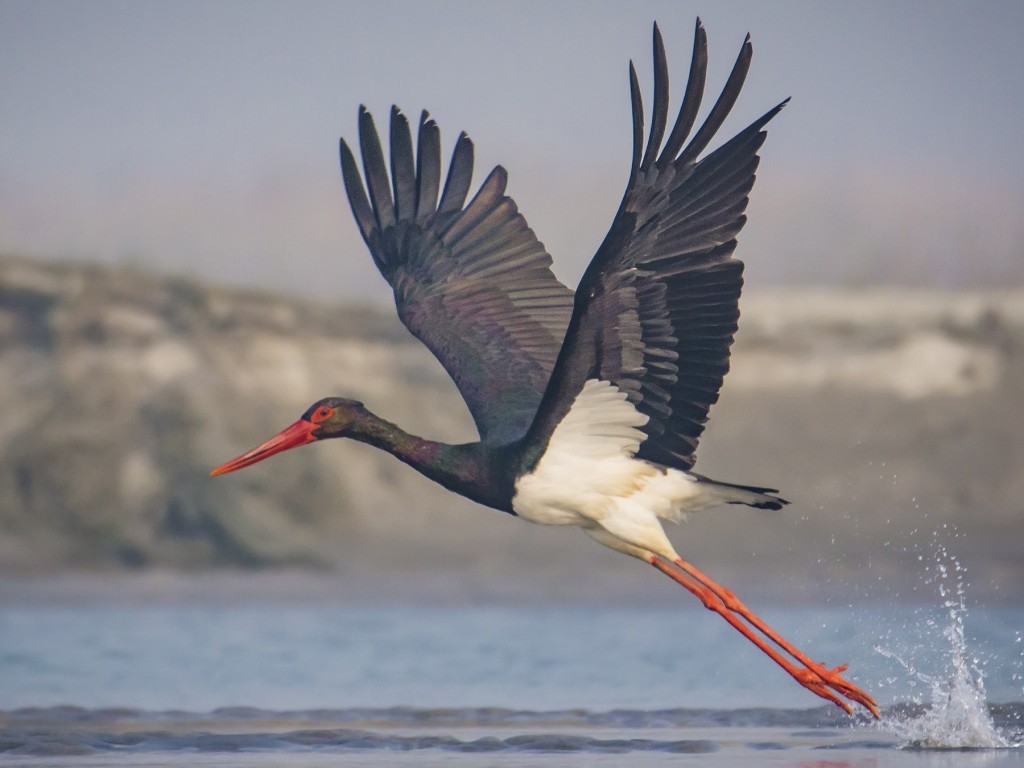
(881,414)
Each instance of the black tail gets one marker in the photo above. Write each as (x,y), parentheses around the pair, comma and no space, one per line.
(751,495)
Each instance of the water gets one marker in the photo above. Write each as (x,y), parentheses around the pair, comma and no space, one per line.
(954,712)
(211,684)
(198,658)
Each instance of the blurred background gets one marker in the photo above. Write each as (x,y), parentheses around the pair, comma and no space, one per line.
(180,277)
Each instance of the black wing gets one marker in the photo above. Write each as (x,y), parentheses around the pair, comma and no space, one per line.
(657,309)
(472,282)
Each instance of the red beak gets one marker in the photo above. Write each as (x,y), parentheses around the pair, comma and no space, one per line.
(299,433)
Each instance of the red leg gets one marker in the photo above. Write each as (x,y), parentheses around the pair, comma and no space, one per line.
(812,675)
(831,678)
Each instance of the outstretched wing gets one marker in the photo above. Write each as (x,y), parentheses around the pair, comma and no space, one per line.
(657,309)
(472,282)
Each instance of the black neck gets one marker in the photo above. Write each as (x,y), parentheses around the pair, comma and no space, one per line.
(468,469)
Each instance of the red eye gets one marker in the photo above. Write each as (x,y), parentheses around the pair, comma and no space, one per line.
(322,414)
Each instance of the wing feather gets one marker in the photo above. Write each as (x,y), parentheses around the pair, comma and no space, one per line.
(722,107)
(376,171)
(660,109)
(403,173)
(692,97)
(356,192)
(471,281)
(488,196)
(658,307)
(460,174)
(428,167)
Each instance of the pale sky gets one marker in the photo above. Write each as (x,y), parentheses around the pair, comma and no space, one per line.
(200,138)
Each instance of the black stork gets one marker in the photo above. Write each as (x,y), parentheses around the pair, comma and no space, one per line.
(589,406)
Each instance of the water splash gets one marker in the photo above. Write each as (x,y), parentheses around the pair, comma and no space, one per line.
(956,716)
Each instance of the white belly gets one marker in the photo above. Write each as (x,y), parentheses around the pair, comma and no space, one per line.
(589,475)
(581,492)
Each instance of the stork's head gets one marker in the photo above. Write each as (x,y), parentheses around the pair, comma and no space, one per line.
(330,417)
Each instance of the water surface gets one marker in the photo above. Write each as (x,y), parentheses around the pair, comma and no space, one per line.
(266,684)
